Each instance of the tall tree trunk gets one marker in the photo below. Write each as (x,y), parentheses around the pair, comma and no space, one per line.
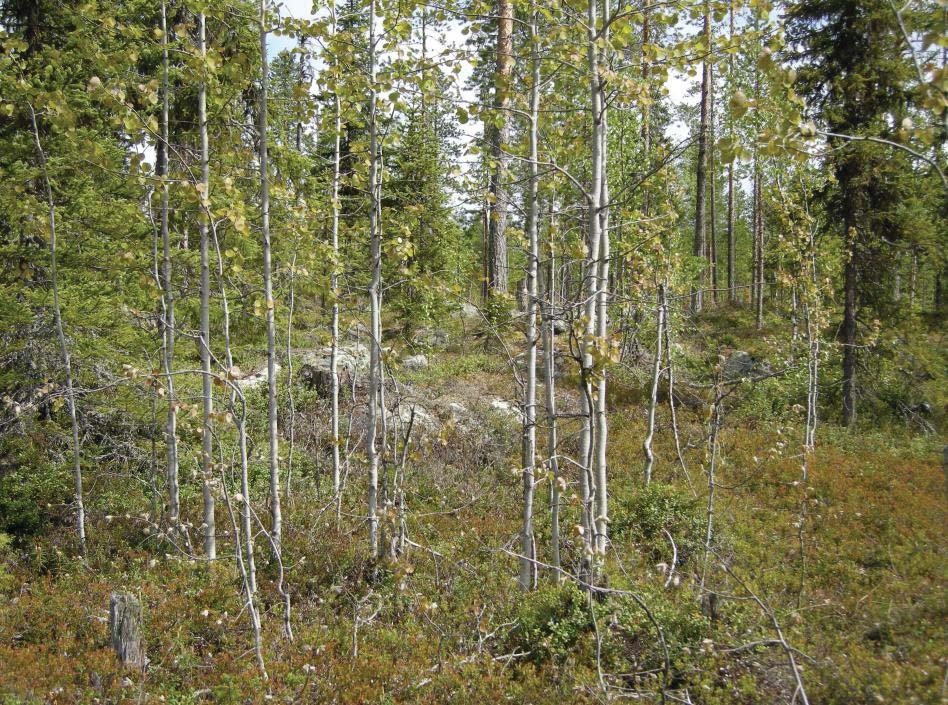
(167,352)
(375,300)
(590,288)
(759,238)
(699,245)
(497,273)
(712,196)
(549,359)
(334,292)
(656,376)
(602,312)
(210,533)
(61,337)
(849,329)
(529,449)
(731,233)
(276,517)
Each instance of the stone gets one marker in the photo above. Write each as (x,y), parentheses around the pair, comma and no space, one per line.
(415,362)
(560,326)
(424,420)
(260,378)
(742,364)
(432,337)
(351,358)
(506,408)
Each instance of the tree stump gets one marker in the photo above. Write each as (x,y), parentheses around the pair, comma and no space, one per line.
(125,622)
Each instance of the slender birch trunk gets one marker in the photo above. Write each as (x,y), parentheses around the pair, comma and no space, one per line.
(63,346)
(334,293)
(276,517)
(375,296)
(656,377)
(602,315)
(240,419)
(168,325)
(529,449)
(549,359)
(210,532)
(591,283)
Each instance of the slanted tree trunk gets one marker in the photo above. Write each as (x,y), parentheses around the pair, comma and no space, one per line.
(699,245)
(276,517)
(497,273)
(125,625)
(210,533)
(61,337)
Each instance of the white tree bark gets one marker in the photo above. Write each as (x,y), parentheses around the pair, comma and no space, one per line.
(529,449)
(602,316)
(549,359)
(591,283)
(210,533)
(656,376)
(334,293)
(167,357)
(61,336)
(276,517)
(375,300)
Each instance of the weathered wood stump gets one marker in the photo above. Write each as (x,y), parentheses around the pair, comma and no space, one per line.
(125,622)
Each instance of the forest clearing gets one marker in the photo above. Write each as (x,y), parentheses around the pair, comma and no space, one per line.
(480,351)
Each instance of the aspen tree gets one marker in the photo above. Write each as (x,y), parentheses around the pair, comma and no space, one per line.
(334,282)
(168,325)
(375,297)
(61,337)
(210,534)
(276,517)
(591,283)
(602,304)
(549,360)
(529,450)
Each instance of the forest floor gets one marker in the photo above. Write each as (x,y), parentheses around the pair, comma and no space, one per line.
(848,565)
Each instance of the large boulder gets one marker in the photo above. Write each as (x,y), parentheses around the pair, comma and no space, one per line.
(424,421)
(252,380)
(470,311)
(507,409)
(415,362)
(741,364)
(351,359)
(431,337)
